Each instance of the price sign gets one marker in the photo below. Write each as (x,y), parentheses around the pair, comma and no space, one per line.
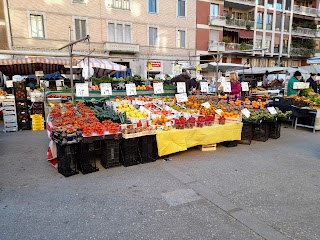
(181,97)
(206,105)
(45,82)
(204,87)
(246,112)
(82,90)
(245,86)
(158,88)
(106,89)
(272,110)
(181,87)
(131,89)
(227,87)
(218,111)
(259,84)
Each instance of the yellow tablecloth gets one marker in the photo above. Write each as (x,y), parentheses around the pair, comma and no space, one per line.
(177,140)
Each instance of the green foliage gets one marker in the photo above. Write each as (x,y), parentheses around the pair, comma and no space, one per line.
(226,39)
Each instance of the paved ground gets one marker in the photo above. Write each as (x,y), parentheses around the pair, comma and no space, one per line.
(266,190)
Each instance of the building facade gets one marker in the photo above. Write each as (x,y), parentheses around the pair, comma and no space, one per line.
(286,30)
(136,33)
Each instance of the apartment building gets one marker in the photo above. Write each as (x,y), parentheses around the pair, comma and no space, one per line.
(149,36)
(285,29)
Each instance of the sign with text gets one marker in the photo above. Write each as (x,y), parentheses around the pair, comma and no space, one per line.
(300,85)
(227,87)
(245,86)
(181,87)
(82,90)
(272,110)
(206,105)
(106,89)
(246,112)
(131,89)
(181,97)
(218,111)
(204,87)
(158,88)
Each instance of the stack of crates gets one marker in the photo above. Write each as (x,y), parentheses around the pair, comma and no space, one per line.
(20,93)
(9,115)
(37,122)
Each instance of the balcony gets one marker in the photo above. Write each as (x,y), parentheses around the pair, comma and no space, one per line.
(302,52)
(121,47)
(305,11)
(240,23)
(217,21)
(238,46)
(216,46)
(245,2)
(299,31)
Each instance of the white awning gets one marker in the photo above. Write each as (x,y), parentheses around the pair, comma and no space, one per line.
(103,64)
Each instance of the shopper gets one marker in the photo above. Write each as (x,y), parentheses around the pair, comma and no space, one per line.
(295,78)
(235,84)
(183,77)
(313,82)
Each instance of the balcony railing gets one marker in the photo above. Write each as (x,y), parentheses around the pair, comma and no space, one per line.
(216,46)
(304,31)
(240,23)
(217,21)
(238,46)
(121,47)
(249,2)
(305,10)
(303,52)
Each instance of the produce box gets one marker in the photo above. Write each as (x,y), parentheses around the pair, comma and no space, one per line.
(110,153)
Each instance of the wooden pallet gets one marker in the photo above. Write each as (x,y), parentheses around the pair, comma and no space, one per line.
(208,147)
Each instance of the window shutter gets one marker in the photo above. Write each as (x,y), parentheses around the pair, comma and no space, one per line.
(119,33)
(214,35)
(183,39)
(78,1)
(183,8)
(150,36)
(83,28)
(77,28)
(111,32)
(127,33)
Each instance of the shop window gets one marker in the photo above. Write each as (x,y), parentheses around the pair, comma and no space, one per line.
(37,25)
(153,36)
(119,32)
(181,39)
(181,8)
(80,28)
(152,6)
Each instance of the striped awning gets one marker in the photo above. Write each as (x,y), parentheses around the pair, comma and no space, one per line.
(103,64)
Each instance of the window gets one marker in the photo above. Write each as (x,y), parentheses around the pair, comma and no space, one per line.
(119,32)
(37,26)
(78,1)
(259,20)
(152,6)
(181,39)
(181,8)
(153,36)
(270,4)
(269,21)
(214,10)
(121,4)
(80,27)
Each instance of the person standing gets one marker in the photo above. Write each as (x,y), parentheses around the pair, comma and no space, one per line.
(235,84)
(183,77)
(313,82)
(295,78)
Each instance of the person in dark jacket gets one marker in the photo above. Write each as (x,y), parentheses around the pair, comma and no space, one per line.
(183,77)
(313,82)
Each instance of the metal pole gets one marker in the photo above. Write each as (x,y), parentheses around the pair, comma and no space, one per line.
(71,74)
(281,33)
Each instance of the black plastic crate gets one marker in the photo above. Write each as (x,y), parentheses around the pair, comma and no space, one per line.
(20,94)
(246,134)
(110,153)
(21,104)
(19,85)
(260,131)
(67,163)
(274,130)
(24,125)
(130,152)
(148,149)
(230,143)
(87,158)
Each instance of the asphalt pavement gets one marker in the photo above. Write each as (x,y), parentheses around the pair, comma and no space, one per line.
(266,190)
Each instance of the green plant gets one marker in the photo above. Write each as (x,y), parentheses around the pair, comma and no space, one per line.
(248,26)
(243,46)
(228,16)
(226,39)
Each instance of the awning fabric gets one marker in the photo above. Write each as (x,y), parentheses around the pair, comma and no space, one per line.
(230,30)
(246,34)
(103,64)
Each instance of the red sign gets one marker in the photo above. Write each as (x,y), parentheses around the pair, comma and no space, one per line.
(154,64)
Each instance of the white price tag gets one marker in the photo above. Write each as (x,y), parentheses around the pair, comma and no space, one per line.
(206,105)
(131,89)
(181,97)
(158,88)
(218,111)
(82,90)
(259,84)
(227,87)
(272,110)
(245,86)
(246,112)
(106,89)
(204,87)
(45,82)
(181,87)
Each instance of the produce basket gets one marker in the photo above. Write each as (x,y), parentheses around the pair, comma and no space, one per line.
(87,158)
(260,132)
(274,130)
(246,133)
(148,149)
(67,164)
(110,153)
(130,152)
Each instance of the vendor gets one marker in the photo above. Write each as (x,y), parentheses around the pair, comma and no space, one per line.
(295,78)
(183,77)
(235,84)
(313,82)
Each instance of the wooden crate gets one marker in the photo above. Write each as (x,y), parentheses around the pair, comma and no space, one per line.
(208,147)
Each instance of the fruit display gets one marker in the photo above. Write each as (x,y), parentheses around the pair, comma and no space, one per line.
(3,93)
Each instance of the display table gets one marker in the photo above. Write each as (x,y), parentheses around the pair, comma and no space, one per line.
(177,140)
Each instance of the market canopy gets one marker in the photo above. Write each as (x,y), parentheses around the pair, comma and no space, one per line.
(102,64)
(223,67)
(314,60)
